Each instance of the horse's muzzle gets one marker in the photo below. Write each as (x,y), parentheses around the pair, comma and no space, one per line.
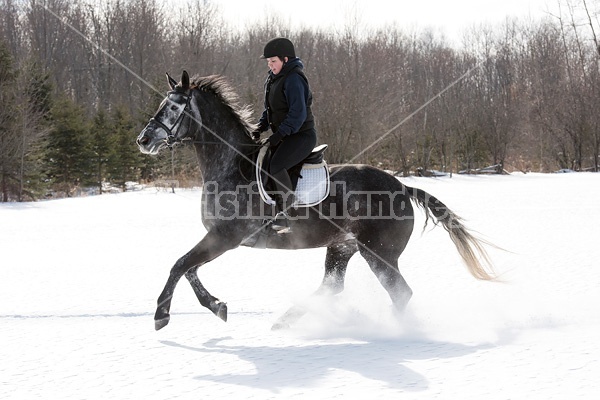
(143,143)
(149,145)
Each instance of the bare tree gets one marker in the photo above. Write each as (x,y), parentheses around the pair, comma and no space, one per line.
(580,123)
(196,36)
(9,27)
(593,24)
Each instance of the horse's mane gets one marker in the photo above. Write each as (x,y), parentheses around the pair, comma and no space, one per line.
(218,85)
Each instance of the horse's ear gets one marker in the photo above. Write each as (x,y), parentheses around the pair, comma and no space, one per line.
(172,82)
(185,80)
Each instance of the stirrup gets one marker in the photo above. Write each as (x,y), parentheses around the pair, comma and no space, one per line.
(281,223)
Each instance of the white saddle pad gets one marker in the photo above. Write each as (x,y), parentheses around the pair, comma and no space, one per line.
(313,184)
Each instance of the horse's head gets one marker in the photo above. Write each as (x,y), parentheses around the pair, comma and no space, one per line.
(163,129)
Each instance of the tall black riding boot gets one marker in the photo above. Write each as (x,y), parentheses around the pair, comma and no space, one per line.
(284,201)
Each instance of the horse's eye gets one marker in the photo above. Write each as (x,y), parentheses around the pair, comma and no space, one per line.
(174,107)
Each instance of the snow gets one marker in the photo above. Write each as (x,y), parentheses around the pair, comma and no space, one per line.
(80,278)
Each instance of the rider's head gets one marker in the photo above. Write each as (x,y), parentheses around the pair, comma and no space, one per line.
(279,47)
(277,52)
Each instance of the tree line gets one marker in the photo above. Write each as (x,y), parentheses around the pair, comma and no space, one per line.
(79,80)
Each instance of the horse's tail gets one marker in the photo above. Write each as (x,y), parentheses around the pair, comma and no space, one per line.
(469,247)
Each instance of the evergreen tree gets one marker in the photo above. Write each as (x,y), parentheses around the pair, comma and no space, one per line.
(102,143)
(34,114)
(68,155)
(25,98)
(9,141)
(126,159)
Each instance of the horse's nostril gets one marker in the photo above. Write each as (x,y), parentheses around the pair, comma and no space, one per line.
(144,140)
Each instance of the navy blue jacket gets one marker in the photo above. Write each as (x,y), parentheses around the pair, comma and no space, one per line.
(288,101)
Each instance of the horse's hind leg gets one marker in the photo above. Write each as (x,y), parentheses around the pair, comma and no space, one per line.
(384,265)
(336,261)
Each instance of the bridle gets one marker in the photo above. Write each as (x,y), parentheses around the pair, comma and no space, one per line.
(172,137)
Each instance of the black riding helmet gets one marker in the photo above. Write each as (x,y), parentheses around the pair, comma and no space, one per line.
(279,47)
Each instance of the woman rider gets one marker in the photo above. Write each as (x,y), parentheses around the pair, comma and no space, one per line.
(288,114)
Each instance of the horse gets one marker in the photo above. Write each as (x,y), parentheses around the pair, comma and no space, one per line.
(367,211)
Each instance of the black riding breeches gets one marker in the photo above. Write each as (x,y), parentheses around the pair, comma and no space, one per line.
(292,150)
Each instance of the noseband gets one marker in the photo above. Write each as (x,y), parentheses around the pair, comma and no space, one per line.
(172,136)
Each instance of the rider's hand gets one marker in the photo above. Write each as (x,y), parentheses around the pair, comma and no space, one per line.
(256,134)
(275,139)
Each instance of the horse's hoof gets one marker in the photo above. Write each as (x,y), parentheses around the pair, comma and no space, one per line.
(161,323)
(220,310)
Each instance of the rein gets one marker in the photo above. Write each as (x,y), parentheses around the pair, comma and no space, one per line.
(256,146)
(185,140)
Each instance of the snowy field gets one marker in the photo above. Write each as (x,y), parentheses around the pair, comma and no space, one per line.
(80,278)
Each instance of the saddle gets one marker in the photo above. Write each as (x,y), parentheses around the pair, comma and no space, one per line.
(310,178)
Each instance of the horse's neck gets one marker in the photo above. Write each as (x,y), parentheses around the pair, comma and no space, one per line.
(220,154)
(218,163)
(222,141)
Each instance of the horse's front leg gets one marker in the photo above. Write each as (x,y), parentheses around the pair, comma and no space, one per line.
(215,305)
(209,248)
